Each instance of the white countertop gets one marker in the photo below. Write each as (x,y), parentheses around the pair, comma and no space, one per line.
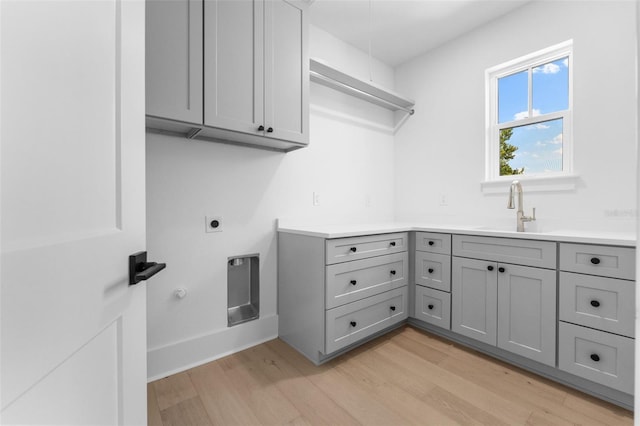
(354,230)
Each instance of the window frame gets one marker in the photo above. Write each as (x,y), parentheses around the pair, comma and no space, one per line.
(492,138)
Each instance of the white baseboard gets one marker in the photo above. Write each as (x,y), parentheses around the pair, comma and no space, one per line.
(181,356)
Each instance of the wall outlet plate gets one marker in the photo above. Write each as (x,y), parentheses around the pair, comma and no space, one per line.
(213,223)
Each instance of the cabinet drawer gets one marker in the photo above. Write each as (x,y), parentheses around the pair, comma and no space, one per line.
(350,323)
(597,356)
(615,262)
(350,281)
(433,242)
(604,303)
(355,248)
(433,306)
(433,270)
(541,254)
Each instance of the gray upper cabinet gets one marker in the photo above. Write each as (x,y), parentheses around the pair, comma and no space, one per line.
(256,68)
(234,65)
(286,71)
(174,60)
(229,71)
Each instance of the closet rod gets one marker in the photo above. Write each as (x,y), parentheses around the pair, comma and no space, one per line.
(322,78)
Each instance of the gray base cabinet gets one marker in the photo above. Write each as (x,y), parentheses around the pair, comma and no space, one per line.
(432,278)
(505,305)
(433,306)
(570,318)
(597,314)
(334,294)
(474,301)
(527,312)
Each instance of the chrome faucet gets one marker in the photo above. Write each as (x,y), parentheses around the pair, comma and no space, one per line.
(521,218)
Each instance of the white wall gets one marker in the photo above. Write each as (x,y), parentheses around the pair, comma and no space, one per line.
(441,149)
(347,160)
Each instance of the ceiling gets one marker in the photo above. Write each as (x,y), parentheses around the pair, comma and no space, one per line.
(404,29)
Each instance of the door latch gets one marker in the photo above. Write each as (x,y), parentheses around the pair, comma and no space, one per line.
(140,269)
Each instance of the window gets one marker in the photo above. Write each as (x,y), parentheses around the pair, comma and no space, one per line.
(529,116)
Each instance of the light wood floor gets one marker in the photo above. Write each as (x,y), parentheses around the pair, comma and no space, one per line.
(404,377)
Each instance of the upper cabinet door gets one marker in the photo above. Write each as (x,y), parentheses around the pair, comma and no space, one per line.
(174,59)
(286,70)
(233,65)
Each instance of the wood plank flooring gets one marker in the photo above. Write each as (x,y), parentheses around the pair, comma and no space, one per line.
(405,377)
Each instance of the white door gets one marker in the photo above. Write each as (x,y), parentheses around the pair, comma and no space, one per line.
(73,342)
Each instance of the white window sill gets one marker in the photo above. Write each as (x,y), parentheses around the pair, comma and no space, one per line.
(531,184)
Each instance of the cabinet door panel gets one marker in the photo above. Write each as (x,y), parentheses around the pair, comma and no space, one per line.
(349,281)
(174,60)
(286,71)
(234,54)
(474,299)
(527,312)
(615,262)
(604,303)
(433,270)
(433,306)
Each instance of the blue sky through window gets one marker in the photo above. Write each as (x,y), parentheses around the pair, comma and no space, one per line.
(540,144)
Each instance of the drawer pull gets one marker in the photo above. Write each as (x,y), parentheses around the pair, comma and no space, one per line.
(595,260)
(260,128)
(353,282)
(430,306)
(393,308)
(595,303)
(490,268)
(392,243)
(501,269)
(595,357)
(431,243)
(270,130)
(392,272)
(353,323)
(431,270)
(353,249)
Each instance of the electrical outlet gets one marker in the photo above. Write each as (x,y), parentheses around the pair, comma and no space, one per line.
(443,199)
(213,223)
(316,199)
(367,200)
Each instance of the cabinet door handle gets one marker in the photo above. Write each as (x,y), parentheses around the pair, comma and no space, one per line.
(595,260)
(392,272)
(353,323)
(393,308)
(595,303)
(490,268)
(392,243)
(261,128)
(431,243)
(430,307)
(430,270)
(501,269)
(595,357)
(353,249)
(353,282)
(270,130)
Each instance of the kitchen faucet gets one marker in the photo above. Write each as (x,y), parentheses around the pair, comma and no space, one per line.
(521,218)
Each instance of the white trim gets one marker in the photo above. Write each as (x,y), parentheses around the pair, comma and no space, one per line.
(492,127)
(192,352)
(533,183)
